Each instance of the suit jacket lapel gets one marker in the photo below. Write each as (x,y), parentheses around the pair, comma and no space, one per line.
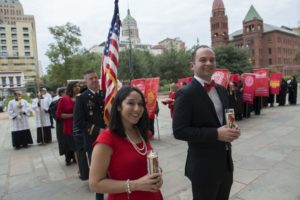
(199,88)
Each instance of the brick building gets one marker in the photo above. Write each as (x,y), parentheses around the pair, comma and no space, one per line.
(268,45)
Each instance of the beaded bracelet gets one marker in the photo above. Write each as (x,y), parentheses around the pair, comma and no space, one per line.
(128,188)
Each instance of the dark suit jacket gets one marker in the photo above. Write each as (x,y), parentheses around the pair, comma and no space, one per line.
(88,116)
(196,121)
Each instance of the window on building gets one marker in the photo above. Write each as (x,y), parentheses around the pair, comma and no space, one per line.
(26,35)
(279,39)
(18,78)
(270,61)
(14,41)
(25,29)
(3,80)
(3,41)
(27,53)
(27,48)
(15,48)
(269,40)
(13,30)
(11,81)
(270,51)
(26,41)
(2,35)
(4,53)
(14,35)
(2,29)
(279,60)
(258,27)
(279,50)
(15,54)
(260,52)
(3,48)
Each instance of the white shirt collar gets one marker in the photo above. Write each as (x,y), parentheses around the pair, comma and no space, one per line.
(200,80)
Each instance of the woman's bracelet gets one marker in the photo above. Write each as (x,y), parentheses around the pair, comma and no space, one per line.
(128,188)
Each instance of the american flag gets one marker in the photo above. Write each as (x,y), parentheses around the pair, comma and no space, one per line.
(110,62)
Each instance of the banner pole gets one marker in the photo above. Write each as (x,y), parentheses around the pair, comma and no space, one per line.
(157,127)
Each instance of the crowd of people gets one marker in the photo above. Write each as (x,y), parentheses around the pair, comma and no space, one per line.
(113,158)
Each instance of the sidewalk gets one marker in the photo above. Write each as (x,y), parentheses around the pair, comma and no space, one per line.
(266,157)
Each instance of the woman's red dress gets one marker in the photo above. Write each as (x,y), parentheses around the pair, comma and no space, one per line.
(126,163)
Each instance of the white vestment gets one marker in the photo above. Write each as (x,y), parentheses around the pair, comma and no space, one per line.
(18,112)
(41,113)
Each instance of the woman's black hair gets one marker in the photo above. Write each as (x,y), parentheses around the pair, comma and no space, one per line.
(115,123)
(70,87)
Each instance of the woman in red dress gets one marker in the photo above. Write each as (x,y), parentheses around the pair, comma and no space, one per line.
(64,112)
(119,159)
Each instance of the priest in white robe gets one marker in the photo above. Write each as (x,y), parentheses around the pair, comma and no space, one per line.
(18,111)
(42,116)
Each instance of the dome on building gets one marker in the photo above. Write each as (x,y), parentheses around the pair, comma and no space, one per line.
(129,20)
(218,4)
(130,32)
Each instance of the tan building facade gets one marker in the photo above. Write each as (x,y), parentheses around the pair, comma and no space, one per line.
(18,48)
(175,43)
(268,45)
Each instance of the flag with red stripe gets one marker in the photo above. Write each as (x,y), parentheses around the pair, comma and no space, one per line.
(110,62)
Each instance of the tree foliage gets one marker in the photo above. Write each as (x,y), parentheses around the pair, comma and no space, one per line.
(66,44)
(68,59)
(232,58)
(169,66)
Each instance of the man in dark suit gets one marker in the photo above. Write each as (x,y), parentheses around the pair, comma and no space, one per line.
(199,119)
(88,122)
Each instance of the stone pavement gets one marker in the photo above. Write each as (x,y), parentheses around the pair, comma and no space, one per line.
(266,157)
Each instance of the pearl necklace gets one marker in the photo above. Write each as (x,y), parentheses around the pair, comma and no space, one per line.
(142,151)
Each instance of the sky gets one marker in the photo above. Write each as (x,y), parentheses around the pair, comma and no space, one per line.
(156,19)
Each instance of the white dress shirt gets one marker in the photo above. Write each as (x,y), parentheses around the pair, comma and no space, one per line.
(214,97)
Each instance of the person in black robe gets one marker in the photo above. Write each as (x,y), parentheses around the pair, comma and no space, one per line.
(239,101)
(292,89)
(59,123)
(271,98)
(281,98)
(257,105)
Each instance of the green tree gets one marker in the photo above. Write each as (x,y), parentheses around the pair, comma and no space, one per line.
(142,65)
(173,64)
(66,45)
(232,58)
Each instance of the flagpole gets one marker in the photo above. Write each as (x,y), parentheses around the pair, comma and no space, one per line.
(130,51)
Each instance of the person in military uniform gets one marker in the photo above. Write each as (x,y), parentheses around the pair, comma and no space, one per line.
(88,122)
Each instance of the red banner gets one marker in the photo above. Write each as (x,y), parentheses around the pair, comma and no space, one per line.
(275,80)
(139,83)
(248,87)
(183,80)
(221,76)
(149,87)
(261,82)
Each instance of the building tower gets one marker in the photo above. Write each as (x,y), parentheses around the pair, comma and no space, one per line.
(253,36)
(129,24)
(218,24)
(18,48)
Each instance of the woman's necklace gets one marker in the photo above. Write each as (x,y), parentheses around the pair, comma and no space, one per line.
(142,151)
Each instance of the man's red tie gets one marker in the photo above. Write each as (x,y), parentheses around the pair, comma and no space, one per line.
(209,86)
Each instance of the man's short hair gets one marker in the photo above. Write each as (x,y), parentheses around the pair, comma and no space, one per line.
(17,92)
(88,72)
(196,49)
(61,90)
